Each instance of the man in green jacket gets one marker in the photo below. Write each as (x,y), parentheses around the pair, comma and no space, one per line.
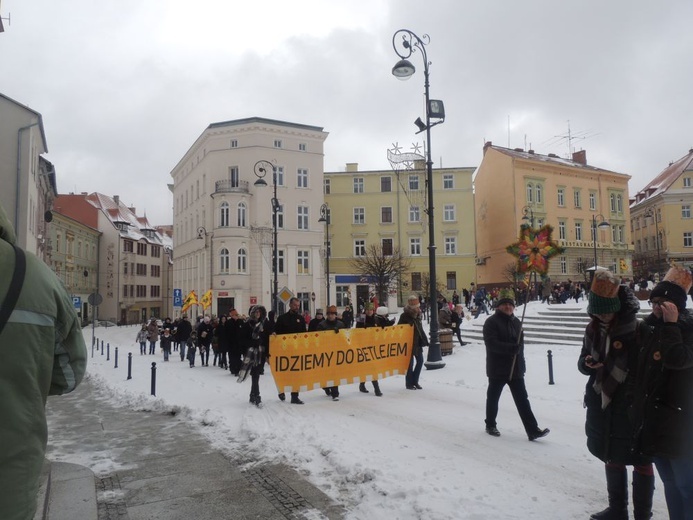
(43,353)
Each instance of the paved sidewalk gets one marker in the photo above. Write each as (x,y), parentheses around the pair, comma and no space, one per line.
(150,465)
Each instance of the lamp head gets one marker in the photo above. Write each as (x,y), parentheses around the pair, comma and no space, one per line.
(420,124)
(260,182)
(403,70)
(436,109)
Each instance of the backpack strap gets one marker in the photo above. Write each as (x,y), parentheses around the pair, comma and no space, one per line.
(15,287)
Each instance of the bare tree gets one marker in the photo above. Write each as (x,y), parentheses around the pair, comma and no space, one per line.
(383,271)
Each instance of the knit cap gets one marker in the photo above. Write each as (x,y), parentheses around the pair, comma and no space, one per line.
(603,297)
(368,307)
(506,295)
(382,311)
(675,286)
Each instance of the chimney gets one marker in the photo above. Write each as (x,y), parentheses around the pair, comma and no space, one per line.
(487,145)
(352,166)
(580,157)
(116,199)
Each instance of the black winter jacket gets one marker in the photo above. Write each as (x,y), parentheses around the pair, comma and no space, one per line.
(411,316)
(501,333)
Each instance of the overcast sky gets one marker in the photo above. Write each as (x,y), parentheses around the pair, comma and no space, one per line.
(126,87)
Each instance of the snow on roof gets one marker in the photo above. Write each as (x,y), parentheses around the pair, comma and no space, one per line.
(662,182)
(552,158)
(136,228)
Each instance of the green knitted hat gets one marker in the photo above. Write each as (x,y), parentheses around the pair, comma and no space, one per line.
(506,295)
(601,305)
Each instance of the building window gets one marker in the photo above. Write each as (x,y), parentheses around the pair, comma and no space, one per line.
(416,281)
(415,246)
(612,202)
(386,215)
(224,261)
(141,248)
(413,183)
(414,214)
(576,198)
(619,203)
(448,181)
(280,216)
(540,193)
(224,214)
(530,193)
(278,173)
(451,280)
(277,143)
(359,215)
(564,265)
(686,211)
(358,184)
(688,239)
(125,268)
(385,184)
(154,271)
(687,182)
(561,197)
(241,214)
(156,251)
(578,231)
(302,178)
(449,213)
(302,257)
(234,143)
(593,201)
(141,291)
(301,147)
(280,261)
(302,218)
(638,246)
(155,291)
(387,246)
(359,247)
(450,245)
(242,261)
(326,186)
(342,292)
(234,176)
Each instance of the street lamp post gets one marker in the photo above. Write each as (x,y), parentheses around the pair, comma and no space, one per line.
(602,225)
(652,213)
(405,43)
(202,235)
(325,217)
(261,168)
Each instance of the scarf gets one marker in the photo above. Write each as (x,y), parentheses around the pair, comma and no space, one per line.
(614,359)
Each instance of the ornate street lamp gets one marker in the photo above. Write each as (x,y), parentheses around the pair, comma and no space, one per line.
(325,217)
(261,168)
(602,225)
(652,213)
(202,235)
(405,43)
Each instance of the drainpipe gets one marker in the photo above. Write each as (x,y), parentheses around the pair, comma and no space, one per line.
(19,176)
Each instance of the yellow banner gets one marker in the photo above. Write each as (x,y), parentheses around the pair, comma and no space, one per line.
(312,360)
(206,300)
(190,300)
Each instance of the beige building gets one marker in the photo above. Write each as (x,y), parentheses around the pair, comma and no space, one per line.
(28,180)
(223,222)
(73,252)
(387,208)
(661,220)
(570,195)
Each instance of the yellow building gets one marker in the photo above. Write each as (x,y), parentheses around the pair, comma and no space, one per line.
(570,195)
(387,208)
(661,221)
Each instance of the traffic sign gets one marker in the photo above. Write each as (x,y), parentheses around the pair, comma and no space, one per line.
(77,302)
(177,297)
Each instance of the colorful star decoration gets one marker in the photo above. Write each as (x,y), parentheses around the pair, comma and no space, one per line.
(534,249)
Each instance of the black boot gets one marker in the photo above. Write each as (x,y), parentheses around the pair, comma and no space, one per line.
(362,388)
(643,489)
(617,487)
(376,387)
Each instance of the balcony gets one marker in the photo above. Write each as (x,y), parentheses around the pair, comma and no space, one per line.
(228,186)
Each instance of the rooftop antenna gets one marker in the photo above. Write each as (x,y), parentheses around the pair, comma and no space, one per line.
(569,138)
(508,130)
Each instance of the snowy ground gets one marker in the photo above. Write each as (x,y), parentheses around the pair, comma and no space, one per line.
(409,454)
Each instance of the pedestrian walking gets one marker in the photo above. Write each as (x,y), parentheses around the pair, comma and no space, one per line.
(291,322)
(191,346)
(141,338)
(166,341)
(411,315)
(332,323)
(152,335)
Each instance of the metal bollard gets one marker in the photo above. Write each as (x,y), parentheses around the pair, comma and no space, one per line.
(92,347)
(550,356)
(116,358)
(153,378)
(129,365)
(108,351)
(102,347)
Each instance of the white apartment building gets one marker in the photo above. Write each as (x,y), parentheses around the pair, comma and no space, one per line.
(223,222)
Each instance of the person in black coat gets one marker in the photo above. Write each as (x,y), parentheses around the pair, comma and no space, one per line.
(183,331)
(291,322)
(609,357)
(234,330)
(313,325)
(411,315)
(205,331)
(505,365)
(372,319)
(332,323)
(347,317)
(663,408)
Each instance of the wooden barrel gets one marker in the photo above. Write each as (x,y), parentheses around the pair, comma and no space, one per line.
(445,341)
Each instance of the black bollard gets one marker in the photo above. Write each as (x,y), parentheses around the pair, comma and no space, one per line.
(108,351)
(153,378)
(92,348)
(102,347)
(116,358)
(129,365)
(550,356)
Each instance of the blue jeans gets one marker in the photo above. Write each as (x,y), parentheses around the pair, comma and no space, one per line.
(677,476)
(143,347)
(412,377)
(152,347)
(182,351)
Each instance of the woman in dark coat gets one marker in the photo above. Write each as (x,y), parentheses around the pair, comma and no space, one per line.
(609,357)
(411,315)
(663,409)
(371,319)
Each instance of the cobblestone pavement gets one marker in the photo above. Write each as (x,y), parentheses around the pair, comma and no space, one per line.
(151,465)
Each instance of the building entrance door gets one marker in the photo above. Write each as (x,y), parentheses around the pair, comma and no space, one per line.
(224,305)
